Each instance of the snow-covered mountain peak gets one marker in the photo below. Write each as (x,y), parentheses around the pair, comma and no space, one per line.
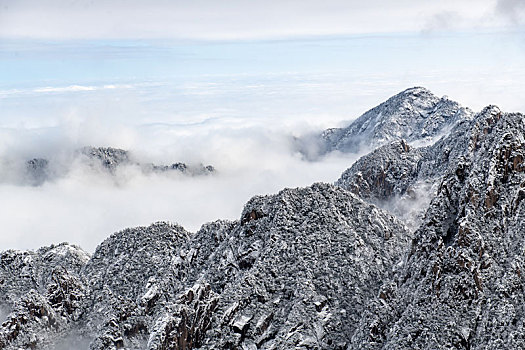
(415,114)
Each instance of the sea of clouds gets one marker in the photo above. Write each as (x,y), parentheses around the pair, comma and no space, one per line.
(244,126)
(84,205)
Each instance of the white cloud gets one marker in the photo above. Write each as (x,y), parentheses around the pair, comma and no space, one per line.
(247,143)
(71,88)
(232,19)
(512,10)
(243,133)
(85,206)
(75,88)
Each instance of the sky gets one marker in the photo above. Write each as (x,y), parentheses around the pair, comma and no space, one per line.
(240,19)
(224,83)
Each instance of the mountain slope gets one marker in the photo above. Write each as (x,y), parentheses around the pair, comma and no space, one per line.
(42,293)
(464,269)
(415,115)
(403,179)
(300,263)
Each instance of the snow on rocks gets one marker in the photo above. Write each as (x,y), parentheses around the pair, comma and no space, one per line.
(311,268)
(415,115)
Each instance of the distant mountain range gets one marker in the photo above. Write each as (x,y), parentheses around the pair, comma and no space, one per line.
(106,159)
(419,245)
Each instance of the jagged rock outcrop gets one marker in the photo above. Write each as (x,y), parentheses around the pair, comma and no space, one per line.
(42,291)
(107,157)
(129,277)
(464,270)
(403,179)
(392,178)
(305,262)
(386,172)
(184,323)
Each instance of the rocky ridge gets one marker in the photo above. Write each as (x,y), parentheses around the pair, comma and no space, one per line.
(231,284)
(403,179)
(463,270)
(415,115)
(321,267)
(106,160)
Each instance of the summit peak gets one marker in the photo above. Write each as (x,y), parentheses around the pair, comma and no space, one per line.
(415,114)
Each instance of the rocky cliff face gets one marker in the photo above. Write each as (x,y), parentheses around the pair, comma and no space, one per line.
(321,267)
(42,292)
(463,271)
(403,179)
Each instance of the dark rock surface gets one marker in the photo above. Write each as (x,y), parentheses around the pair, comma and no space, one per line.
(386,172)
(391,177)
(403,179)
(42,291)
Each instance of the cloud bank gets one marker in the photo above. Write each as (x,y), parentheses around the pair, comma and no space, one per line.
(242,128)
(232,19)
(512,10)
(83,205)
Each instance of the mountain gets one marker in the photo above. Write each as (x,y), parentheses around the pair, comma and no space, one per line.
(111,159)
(108,157)
(413,247)
(392,178)
(297,268)
(104,160)
(403,179)
(463,271)
(415,115)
